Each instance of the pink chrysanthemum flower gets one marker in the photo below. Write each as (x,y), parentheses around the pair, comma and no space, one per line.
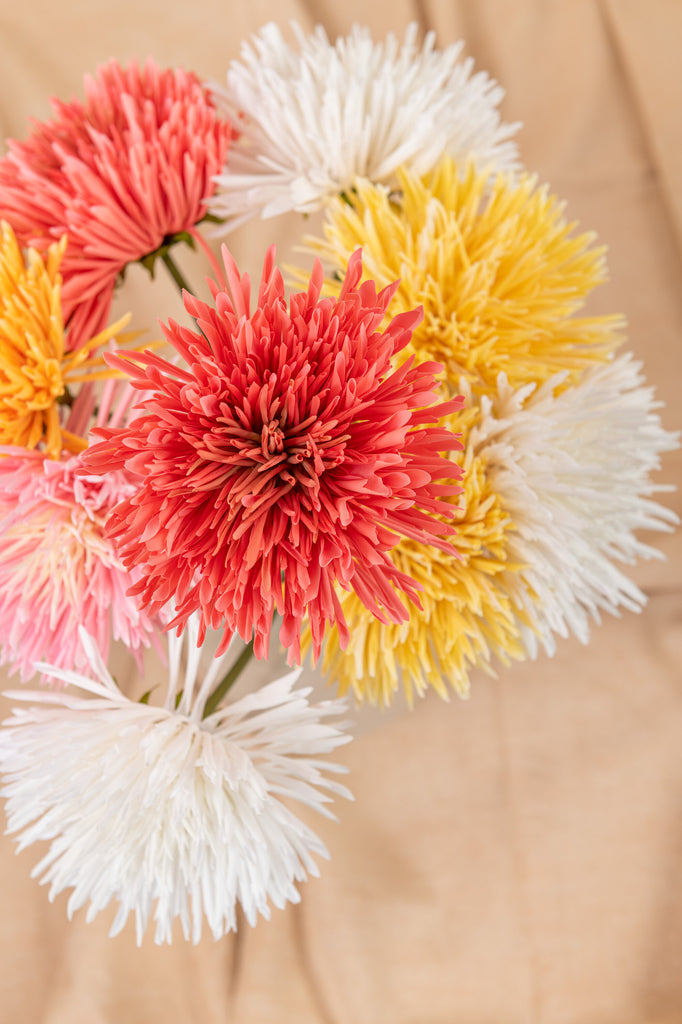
(120,174)
(288,457)
(58,570)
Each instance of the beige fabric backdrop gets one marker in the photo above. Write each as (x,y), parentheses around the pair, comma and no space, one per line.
(511,859)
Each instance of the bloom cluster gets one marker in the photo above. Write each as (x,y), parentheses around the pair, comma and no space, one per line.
(420,461)
(560,434)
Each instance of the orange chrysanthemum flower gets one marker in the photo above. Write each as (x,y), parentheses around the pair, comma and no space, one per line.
(35,369)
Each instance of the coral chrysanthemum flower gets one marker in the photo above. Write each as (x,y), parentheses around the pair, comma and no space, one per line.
(311,120)
(57,568)
(153,805)
(497,268)
(35,370)
(290,455)
(120,173)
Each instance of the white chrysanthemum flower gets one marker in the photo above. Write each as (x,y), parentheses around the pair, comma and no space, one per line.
(157,805)
(572,472)
(310,122)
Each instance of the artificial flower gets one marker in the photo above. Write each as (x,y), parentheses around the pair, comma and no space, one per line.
(161,809)
(287,456)
(122,174)
(498,269)
(36,373)
(312,120)
(572,468)
(57,568)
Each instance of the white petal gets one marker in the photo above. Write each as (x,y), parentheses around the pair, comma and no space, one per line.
(572,469)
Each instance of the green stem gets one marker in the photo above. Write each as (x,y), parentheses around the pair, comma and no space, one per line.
(174,272)
(222,688)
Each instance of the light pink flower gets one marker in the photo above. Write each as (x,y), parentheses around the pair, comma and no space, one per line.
(58,571)
(288,457)
(119,174)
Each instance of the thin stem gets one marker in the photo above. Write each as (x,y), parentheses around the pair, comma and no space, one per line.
(174,272)
(222,687)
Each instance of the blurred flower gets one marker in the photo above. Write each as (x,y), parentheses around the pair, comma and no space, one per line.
(288,456)
(121,174)
(495,265)
(35,372)
(57,568)
(311,121)
(147,805)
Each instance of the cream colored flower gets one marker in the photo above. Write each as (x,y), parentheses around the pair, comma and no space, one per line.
(169,813)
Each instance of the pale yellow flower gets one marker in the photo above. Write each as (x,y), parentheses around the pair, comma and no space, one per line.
(497,268)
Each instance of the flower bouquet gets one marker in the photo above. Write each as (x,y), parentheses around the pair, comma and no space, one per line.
(421,457)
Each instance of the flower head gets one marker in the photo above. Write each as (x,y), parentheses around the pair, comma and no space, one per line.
(120,173)
(57,568)
(499,272)
(35,370)
(311,121)
(157,805)
(290,455)
(572,468)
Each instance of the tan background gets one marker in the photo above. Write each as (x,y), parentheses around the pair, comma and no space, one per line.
(511,859)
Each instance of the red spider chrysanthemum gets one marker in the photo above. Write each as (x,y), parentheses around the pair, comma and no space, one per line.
(289,456)
(120,174)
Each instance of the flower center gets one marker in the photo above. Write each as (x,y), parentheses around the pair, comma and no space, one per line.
(272,437)
(300,454)
(264,464)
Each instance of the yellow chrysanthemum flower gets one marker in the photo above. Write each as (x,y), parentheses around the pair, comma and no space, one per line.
(495,265)
(465,617)
(35,370)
